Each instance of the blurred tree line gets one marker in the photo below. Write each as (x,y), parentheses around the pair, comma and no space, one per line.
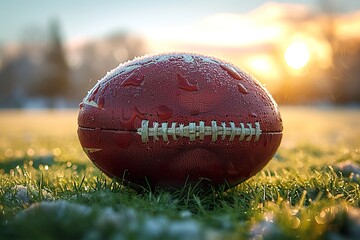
(41,73)
(340,83)
(345,73)
(45,73)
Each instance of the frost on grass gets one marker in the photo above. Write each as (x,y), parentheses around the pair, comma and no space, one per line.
(253,210)
(354,222)
(24,195)
(265,230)
(346,225)
(56,210)
(21,194)
(80,221)
(336,221)
(348,168)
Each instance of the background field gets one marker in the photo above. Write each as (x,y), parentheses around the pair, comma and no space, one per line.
(49,188)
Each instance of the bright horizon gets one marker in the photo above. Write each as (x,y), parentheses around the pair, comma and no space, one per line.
(281,43)
(82,20)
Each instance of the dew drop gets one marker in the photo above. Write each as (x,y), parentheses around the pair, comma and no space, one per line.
(185,85)
(128,118)
(188,58)
(231,71)
(194,113)
(96,89)
(242,89)
(101,102)
(164,112)
(254,115)
(147,62)
(113,92)
(133,80)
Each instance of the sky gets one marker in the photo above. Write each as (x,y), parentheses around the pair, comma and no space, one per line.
(276,41)
(21,20)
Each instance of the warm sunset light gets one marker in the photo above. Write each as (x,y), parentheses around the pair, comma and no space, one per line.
(180,119)
(297,55)
(265,67)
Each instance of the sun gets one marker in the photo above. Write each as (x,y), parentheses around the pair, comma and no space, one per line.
(297,55)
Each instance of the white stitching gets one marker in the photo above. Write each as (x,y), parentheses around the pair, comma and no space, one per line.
(155,133)
(214,131)
(252,132)
(223,131)
(164,130)
(233,131)
(144,131)
(257,131)
(201,130)
(242,132)
(192,131)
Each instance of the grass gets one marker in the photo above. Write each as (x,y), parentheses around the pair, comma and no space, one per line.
(50,190)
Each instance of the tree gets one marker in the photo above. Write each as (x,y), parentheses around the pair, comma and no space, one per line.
(344,75)
(55,82)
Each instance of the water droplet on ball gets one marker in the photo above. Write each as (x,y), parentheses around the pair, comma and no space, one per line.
(101,102)
(231,71)
(254,115)
(133,79)
(184,84)
(93,93)
(164,112)
(242,89)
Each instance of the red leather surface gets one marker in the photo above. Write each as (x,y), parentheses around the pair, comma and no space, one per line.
(179,88)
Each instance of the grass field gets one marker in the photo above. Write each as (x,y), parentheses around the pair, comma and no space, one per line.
(310,189)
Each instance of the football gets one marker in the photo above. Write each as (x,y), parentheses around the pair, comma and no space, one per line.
(170,119)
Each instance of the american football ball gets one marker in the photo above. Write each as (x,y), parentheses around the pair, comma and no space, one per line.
(171,119)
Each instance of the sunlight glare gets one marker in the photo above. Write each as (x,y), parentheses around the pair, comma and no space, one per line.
(261,64)
(265,67)
(297,55)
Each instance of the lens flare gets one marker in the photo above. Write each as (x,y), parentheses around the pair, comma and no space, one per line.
(297,55)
